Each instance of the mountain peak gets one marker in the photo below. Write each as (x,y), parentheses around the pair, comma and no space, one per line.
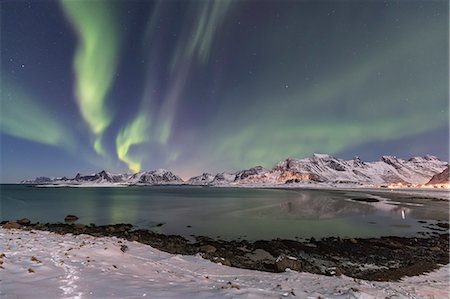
(322,156)
(321,168)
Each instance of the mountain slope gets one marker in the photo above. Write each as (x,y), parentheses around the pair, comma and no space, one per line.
(155,177)
(321,168)
(389,169)
(203,179)
(440,178)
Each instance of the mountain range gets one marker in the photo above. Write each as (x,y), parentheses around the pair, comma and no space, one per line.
(317,169)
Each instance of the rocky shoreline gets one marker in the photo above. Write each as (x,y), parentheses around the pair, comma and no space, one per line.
(378,259)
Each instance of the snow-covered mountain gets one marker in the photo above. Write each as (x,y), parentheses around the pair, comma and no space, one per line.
(440,178)
(155,177)
(389,169)
(321,168)
(203,179)
(98,178)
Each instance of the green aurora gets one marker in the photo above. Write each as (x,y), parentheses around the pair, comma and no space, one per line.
(95,60)
(196,86)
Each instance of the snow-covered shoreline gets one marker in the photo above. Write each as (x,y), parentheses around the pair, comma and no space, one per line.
(39,264)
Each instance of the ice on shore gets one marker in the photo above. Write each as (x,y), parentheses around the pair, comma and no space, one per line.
(39,264)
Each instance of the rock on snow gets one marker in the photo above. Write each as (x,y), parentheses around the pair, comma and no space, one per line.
(37,264)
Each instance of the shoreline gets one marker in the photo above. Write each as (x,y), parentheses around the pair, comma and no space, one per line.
(375,259)
(39,264)
(443,193)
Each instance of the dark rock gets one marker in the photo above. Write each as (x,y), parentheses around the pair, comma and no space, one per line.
(35,259)
(365,199)
(291,181)
(443,225)
(249,172)
(159,224)
(79,226)
(394,257)
(336,165)
(24,221)
(333,271)
(134,238)
(222,261)
(70,218)
(207,249)
(283,262)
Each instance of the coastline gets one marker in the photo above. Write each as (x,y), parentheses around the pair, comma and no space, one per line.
(387,258)
(441,193)
(41,264)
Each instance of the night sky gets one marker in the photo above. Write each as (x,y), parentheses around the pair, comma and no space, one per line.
(196,86)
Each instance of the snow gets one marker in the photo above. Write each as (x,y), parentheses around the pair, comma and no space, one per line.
(106,179)
(67,266)
(201,180)
(318,169)
(322,156)
(389,169)
(93,185)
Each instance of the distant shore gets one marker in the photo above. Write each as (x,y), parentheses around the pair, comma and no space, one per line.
(442,193)
(380,259)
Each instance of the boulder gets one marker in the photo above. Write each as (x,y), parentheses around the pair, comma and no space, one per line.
(70,218)
(207,249)
(283,262)
(333,271)
(24,221)
(12,224)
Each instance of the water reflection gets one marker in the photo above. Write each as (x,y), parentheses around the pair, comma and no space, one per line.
(255,213)
(309,205)
(391,209)
(122,209)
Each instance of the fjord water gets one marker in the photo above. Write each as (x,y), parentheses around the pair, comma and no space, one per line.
(228,213)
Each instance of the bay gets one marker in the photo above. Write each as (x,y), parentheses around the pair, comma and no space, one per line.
(230,213)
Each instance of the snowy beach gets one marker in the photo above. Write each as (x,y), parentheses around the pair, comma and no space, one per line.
(38,264)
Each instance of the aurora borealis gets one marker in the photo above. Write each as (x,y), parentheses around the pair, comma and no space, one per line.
(196,86)
(95,61)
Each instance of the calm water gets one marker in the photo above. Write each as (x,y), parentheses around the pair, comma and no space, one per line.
(227,212)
